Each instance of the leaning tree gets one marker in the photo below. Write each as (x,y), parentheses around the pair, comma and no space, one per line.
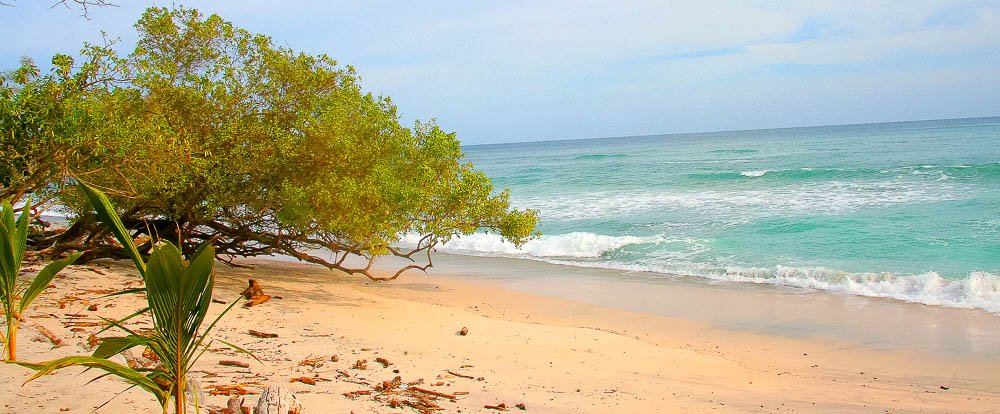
(218,134)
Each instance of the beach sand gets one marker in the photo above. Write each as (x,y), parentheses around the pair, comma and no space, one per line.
(553,355)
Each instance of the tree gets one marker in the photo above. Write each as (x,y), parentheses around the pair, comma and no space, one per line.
(219,134)
(43,123)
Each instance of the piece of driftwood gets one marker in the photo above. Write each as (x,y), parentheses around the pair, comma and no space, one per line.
(255,293)
(304,380)
(49,335)
(460,375)
(498,407)
(230,363)
(355,394)
(385,362)
(260,334)
(235,405)
(277,399)
(434,393)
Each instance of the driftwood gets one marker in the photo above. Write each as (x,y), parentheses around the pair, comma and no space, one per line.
(255,293)
(460,375)
(434,393)
(229,363)
(277,399)
(304,380)
(48,334)
(260,334)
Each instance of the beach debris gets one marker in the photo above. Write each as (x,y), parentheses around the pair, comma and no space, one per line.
(387,386)
(92,308)
(355,394)
(464,331)
(235,405)
(361,364)
(313,362)
(255,293)
(944,388)
(230,363)
(56,342)
(385,362)
(334,358)
(227,389)
(93,340)
(219,301)
(277,399)
(150,355)
(498,407)
(260,334)
(521,406)
(304,380)
(431,392)
(460,375)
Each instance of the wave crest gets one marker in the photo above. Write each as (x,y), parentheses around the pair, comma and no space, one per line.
(580,245)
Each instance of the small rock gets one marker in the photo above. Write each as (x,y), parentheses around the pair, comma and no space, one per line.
(944,388)
(464,331)
(92,308)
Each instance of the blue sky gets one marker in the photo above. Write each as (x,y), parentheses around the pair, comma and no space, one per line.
(536,70)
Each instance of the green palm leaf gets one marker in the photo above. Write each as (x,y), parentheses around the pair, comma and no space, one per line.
(116,369)
(43,278)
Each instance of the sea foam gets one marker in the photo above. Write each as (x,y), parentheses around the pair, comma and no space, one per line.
(980,289)
(570,245)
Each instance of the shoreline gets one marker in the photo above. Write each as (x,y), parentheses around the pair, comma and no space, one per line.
(552,354)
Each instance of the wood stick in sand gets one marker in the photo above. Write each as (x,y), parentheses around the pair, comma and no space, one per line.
(434,393)
(51,336)
(260,334)
(230,363)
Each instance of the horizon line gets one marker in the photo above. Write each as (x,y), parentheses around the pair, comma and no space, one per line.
(728,130)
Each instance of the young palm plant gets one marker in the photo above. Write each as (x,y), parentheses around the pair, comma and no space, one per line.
(178,297)
(13,241)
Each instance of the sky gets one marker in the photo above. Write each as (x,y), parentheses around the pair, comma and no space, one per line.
(508,71)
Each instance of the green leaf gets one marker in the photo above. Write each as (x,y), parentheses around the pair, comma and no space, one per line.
(110,347)
(106,213)
(43,278)
(20,240)
(128,374)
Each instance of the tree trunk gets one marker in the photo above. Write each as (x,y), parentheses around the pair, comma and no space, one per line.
(277,399)
(12,323)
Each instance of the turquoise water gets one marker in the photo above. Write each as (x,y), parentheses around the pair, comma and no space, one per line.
(907,210)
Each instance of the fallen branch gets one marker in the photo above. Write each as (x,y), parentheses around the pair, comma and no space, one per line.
(304,380)
(51,336)
(460,375)
(260,334)
(434,393)
(230,363)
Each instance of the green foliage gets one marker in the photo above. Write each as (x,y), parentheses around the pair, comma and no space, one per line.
(44,122)
(178,295)
(13,241)
(265,150)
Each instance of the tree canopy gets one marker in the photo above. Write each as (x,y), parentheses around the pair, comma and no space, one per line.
(214,133)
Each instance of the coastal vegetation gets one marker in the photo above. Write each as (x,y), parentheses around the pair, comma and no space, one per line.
(209,132)
(178,296)
(17,295)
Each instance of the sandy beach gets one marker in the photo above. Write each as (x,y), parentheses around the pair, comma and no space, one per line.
(553,355)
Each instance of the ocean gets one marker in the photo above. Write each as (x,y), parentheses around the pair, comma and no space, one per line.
(903,210)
